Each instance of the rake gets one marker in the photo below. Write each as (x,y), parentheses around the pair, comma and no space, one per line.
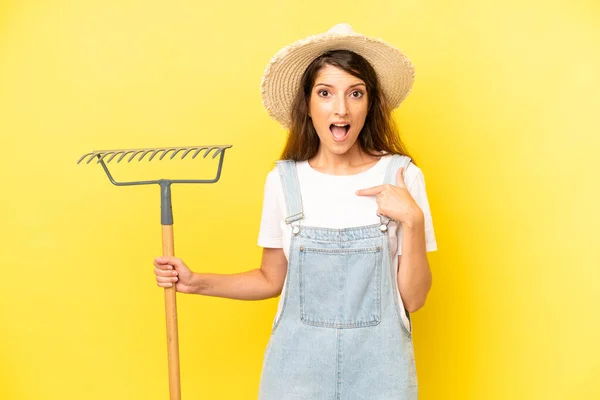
(104,157)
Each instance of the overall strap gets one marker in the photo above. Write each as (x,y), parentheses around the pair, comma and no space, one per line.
(396,162)
(291,190)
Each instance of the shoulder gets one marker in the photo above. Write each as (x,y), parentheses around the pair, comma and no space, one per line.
(273,181)
(273,189)
(412,173)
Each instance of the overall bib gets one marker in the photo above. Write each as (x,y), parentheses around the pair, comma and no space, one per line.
(339,335)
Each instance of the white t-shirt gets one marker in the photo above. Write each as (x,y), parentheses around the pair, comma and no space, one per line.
(330,201)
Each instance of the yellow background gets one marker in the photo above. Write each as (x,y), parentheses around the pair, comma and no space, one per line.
(503,120)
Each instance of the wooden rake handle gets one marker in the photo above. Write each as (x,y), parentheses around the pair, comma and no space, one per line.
(171,313)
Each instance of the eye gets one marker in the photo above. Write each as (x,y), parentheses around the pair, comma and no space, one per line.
(360,94)
(322,91)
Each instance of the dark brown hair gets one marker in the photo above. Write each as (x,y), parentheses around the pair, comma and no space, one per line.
(379,132)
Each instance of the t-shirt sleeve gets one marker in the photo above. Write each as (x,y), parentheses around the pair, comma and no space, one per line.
(270,234)
(419,194)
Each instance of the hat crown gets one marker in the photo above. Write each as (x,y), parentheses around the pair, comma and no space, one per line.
(341,29)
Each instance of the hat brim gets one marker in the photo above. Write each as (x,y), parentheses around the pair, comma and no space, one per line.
(281,78)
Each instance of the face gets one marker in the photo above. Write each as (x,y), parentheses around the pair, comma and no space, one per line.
(338,98)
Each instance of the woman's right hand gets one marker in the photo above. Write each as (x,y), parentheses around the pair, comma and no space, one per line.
(169,270)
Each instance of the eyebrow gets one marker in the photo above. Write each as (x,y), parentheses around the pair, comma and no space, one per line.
(328,85)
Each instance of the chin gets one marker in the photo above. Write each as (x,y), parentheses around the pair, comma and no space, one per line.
(340,148)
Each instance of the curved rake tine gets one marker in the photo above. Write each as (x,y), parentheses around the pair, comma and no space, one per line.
(207,151)
(104,156)
(197,151)
(187,152)
(124,154)
(175,153)
(135,153)
(82,157)
(144,154)
(114,154)
(165,153)
(92,156)
(216,152)
(219,151)
(156,151)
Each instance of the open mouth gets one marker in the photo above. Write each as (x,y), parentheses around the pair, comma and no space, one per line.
(339,131)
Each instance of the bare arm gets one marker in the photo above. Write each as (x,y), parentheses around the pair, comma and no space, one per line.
(414,274)
(257,284)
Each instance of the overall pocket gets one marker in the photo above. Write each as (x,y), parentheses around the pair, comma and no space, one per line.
(340,288)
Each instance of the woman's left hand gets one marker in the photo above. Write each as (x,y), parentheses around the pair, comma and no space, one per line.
(395,202)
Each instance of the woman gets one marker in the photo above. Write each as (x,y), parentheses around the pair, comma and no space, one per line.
(344,230)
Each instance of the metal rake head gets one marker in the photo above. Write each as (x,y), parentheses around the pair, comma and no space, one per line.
(165,184)
(109,155)
(132,153)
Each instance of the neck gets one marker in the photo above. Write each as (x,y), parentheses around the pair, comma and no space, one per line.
(353,161)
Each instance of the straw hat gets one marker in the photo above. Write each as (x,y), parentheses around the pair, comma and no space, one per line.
(281,78)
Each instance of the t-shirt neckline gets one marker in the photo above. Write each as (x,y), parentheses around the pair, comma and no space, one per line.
(368,170)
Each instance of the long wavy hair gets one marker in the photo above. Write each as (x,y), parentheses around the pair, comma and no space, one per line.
(379,132)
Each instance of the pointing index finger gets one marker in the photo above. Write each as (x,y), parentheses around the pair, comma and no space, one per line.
(400,178)
(370,191)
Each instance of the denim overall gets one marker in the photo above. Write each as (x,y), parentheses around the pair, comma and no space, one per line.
(339,335)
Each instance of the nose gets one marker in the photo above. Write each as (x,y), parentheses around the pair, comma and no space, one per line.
(340,106)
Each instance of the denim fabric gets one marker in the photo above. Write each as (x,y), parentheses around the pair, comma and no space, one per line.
(340,334)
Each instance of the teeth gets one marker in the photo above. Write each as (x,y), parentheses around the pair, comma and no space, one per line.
(342,125)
